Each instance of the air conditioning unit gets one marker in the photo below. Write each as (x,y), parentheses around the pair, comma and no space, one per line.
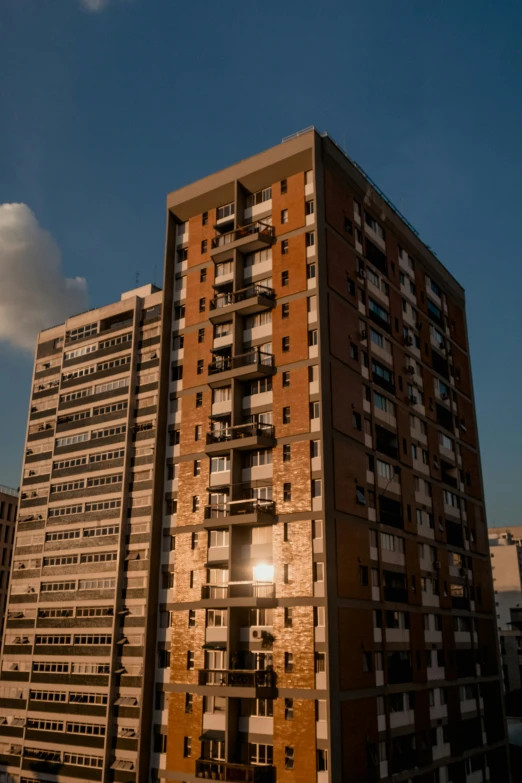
(361,273)
(256,634)
(410,369)
(436,565)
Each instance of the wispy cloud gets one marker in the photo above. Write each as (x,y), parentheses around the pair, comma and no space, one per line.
(34,293)
(94,5)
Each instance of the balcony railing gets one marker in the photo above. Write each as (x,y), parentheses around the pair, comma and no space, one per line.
(233,297)
(235,773)
(239,590)
(241,232)
(8,490)
(239,432)
(239,678)
(239,507)
(225,363)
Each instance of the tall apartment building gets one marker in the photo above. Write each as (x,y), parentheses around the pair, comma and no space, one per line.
(316,601)
(8,509)
(77,667)
(506,562)
(331,604)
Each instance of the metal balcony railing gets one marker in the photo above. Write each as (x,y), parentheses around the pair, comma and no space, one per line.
(239,432)
(238,507)
(241,232)
(236,773)
(239,590)
(240,678)
(225,363)
(233,297)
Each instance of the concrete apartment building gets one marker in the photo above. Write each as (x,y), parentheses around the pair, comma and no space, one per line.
(8,509)
(76,667)
(315,602)
(505,545)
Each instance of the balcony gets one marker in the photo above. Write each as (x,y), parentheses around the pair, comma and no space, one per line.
(246,366)
(247,239)
(236,773)
(241,436)
(396,594)
(247,511)
(238,678)
(238,590)
(250,300)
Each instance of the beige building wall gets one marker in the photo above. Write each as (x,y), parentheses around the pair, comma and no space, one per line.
(8,510)
(506,563)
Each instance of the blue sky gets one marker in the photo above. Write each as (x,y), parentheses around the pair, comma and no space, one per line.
(105,110)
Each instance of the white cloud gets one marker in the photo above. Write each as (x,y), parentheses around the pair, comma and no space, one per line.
(34,294)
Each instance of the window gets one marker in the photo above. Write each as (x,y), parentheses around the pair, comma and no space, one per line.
(284,216)
(289,709)
(204,219)
(225,211)
(322,760)
(285,278)
(200,367)
(286,379)
(379,311)
(289,662)
(187,747)
(202,304)
(284,186)
(289,757)
(287,492)
(288,616)
(197,467)
(312,338)
(286,414)
(201,335)
(199,399)
(314,410)
(195,503)
(198,432)
(287,455)
(310,238)
(309,207)
(317,488)
(190,660)
(203,272)
(359,496)
(318,571)
(219,464)
(310,271)
(284,248)
(285,310)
